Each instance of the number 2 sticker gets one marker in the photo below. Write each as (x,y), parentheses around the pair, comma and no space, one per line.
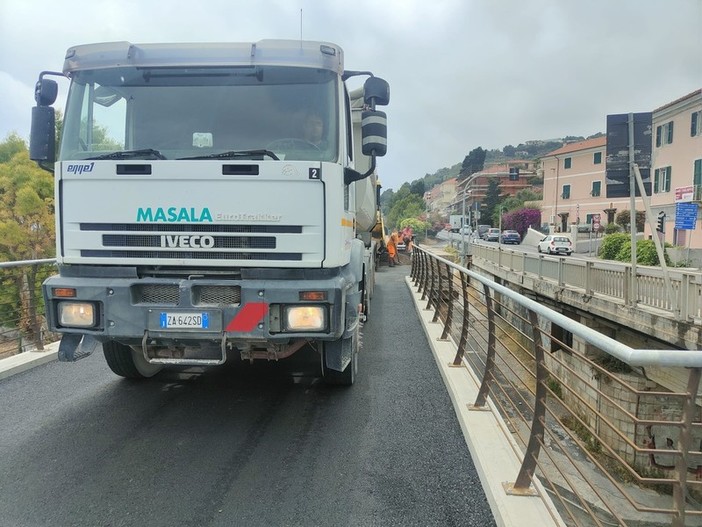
(315,173)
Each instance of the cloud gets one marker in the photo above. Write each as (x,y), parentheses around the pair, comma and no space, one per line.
(15,109)
(462,73)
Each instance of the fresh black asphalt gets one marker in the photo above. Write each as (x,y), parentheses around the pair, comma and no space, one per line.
(243,445)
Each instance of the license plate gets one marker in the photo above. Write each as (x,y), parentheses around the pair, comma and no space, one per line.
(184,320)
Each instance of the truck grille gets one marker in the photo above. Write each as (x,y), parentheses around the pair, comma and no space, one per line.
(201,295)
(163,294)
(190,241)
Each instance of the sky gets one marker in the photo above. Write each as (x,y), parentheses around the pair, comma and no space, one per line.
(462,73)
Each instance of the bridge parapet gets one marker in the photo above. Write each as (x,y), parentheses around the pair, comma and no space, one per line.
(607,289)
(602,439)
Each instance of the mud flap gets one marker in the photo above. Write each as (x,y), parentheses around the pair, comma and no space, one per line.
(76,347)
(338,354)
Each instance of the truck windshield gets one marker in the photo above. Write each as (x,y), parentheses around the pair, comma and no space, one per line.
(200,113)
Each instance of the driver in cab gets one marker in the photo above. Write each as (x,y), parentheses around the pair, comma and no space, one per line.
(313,129)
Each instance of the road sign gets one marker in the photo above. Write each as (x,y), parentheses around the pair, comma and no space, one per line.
(595,222)
(685,216)
(684,193)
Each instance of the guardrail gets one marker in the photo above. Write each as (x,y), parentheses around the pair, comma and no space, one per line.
(609,446)
(22,326)
(608,279)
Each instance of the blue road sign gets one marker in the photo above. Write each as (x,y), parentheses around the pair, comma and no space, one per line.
(685,216)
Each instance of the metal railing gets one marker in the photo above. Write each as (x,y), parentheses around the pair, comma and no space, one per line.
(609,446)
(607,279)
(22,323)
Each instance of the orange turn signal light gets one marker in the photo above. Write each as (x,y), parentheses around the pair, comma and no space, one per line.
(313,295)
(63,292)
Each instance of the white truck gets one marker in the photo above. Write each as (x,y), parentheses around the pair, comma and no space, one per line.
(211,199)
(457,221)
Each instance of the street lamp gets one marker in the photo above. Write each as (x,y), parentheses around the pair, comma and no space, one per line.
(465,184)
(499,236)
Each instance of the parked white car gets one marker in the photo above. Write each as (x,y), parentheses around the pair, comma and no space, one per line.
(555,244)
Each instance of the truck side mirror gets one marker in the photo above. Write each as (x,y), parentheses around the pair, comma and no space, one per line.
(376,91)
(42,139)
(45,92)
(374,133)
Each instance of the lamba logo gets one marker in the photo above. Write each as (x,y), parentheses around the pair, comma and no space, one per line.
(191,242)
(80,168)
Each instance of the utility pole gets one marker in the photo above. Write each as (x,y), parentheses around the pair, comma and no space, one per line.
(463,231)
(633,292)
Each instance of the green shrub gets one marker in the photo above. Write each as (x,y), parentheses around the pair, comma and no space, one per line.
(645,253)
(612,244)
(611,228)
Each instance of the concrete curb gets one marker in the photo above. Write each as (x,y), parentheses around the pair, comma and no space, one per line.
(28,360)
(491,446)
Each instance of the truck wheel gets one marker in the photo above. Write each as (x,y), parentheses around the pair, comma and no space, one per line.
(128,363)
(348,376)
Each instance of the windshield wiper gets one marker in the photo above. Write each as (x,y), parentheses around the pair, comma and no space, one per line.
(147,153)
(233,154)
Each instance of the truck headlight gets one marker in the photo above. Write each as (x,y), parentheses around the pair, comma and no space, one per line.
(305,318)
(76,314)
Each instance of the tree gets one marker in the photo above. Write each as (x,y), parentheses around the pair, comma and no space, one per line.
(417,187)
(13,144)
(624,219)
(517,201)
(26,232)
(473,162)
(492,201)
(405,206)
(520,220)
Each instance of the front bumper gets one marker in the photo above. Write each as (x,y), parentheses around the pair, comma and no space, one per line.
(131,310)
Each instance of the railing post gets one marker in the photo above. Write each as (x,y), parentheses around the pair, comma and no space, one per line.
(561,265)
(588,278)
(413,268)
(540,268)
(684,300)
(465,323)
(684,447)
(449,312)
(488,374)
(430,280)
(425,275)
(439,291)
(536,437)
(34,320)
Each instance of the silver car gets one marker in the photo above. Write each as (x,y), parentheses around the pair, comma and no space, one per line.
(555,244)
(492,235)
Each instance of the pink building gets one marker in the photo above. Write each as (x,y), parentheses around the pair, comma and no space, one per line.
(574,186)
(676,165)
(440,197)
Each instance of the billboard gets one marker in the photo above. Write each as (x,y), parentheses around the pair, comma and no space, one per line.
(617,169)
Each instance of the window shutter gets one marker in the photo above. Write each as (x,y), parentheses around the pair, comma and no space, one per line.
(693,124)
(670,132)
(658,135)
(656,179)
(697,178)
(669,172)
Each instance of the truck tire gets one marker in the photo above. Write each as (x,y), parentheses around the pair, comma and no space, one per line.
(128,363)
(348,376)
